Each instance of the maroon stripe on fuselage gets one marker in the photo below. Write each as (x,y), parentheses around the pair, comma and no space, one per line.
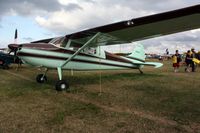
(75,60)
(39,46)
(113,57)
(50,47)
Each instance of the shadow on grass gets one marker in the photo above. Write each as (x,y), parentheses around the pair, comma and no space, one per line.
(93,79)
(21,87)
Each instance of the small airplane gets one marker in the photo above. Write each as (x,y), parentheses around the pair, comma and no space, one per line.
(8,57)
(81,50)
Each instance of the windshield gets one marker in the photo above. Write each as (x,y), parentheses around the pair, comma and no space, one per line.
(58,41)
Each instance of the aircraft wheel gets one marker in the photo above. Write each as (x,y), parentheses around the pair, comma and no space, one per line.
(62,85)
(40,78)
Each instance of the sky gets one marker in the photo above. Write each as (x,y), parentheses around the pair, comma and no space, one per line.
(40,19)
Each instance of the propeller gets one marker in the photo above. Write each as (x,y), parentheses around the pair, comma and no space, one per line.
(14,47)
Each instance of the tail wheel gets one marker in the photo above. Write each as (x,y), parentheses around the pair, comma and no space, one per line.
(41,78)
(62,85)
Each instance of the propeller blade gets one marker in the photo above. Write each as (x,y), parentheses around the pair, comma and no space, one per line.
(16,35)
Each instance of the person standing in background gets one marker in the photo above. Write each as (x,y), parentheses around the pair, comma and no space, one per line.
(167,51)
(193,55)
(176,59)
(188,61)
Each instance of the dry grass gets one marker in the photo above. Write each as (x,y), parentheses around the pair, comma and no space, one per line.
(157,101)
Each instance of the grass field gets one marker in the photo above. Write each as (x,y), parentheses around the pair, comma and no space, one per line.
(157,101)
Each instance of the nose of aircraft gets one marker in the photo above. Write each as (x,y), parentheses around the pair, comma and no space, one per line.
(13,47)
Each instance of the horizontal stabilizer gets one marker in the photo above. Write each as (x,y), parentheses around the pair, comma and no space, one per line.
(155,64)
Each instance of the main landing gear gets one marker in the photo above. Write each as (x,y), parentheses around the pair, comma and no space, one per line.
(61,85)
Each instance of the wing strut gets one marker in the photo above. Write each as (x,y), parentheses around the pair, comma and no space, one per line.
(59,69)
(80,49)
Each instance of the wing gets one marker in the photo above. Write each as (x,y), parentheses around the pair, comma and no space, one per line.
(43,41)
(139,28)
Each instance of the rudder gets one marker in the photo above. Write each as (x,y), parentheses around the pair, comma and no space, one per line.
(138,53)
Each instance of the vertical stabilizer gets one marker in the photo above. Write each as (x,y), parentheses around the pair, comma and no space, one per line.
(138,53)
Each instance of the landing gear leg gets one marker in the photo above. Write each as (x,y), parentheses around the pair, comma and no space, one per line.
(41,78)
(61,85)
(141,72)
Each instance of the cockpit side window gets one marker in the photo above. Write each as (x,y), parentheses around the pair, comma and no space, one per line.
(90,50)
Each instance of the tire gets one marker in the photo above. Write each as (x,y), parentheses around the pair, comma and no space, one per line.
(41,78)
(62,85)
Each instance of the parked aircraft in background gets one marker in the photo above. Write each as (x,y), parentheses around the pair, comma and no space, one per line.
(8,57)
(81,50)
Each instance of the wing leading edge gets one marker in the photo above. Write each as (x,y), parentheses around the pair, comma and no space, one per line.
(140,28)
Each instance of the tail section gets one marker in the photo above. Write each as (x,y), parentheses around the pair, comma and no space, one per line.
(138,57)
(138,53)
